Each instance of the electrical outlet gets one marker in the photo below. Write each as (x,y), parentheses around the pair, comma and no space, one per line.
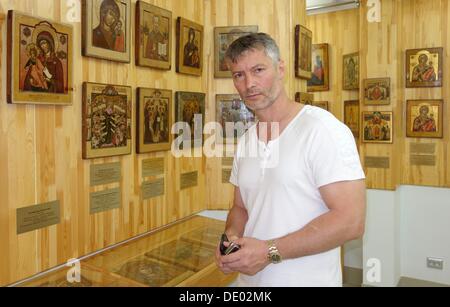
(435,263)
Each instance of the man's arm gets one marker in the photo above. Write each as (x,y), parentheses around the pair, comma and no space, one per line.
(344,222)
(237,217)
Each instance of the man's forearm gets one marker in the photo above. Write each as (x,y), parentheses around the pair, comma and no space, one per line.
(321,235)
(237,218)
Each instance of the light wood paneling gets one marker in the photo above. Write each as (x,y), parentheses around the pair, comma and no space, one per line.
(340,30)
(41,161)
(404,25)
(40,147)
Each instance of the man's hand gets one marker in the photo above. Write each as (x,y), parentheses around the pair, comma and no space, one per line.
(249,260)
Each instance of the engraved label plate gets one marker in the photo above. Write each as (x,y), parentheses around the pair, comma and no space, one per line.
(105,173)
(105,200)
(423,160)
(226,174)
(188,180)
(151,189)
(153,167)
(377,162)
(38,216)
(418,148)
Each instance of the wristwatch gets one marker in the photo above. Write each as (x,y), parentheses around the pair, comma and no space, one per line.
(274,255)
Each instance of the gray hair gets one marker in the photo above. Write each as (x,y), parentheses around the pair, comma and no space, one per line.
(254,41)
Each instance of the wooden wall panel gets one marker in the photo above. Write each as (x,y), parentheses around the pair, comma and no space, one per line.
(41,161)
(275,17)
(404,25)
(40,147)
(340,30)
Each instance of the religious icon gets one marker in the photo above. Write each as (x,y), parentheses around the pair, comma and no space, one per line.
(321,104)
(304,98)
(377,91)
(190,109)
(320,74)
(303,48)
(424,67)
(223,38)
(351,71)
(189,47)
(231,109)
(153,36)
(351,116)
(154,120)
(106,120)
(107,29)
(39,61)
(377,127)
(424,118)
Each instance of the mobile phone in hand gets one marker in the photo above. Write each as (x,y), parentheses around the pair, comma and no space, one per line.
(233,247)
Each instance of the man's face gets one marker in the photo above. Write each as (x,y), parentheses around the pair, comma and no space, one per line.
(257,79)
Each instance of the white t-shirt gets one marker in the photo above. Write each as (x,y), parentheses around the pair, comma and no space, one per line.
(280,190)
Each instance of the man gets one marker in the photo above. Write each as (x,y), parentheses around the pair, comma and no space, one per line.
(290,214)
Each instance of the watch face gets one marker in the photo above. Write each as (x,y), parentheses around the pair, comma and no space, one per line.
(275,258)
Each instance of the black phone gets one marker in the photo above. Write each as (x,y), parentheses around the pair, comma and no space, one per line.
(233,247)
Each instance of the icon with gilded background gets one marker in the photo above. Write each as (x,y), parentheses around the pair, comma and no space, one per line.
(39,61)
(424,67)
(424,118)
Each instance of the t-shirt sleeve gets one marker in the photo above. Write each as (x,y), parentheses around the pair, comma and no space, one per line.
(334,156)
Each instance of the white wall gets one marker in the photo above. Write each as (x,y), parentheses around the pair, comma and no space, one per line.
(425,232)
(405,227)
(380,238)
